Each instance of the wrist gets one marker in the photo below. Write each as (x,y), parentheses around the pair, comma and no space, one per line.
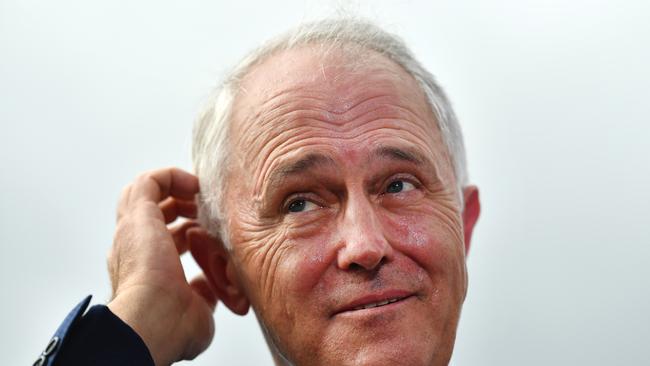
(155,316)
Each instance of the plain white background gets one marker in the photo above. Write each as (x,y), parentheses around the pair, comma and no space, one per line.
(552,96)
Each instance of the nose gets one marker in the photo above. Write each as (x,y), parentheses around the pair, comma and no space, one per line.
(363,244)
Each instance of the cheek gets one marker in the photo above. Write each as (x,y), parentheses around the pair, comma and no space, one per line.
(312,255)
(285,267)
(419,237)
(431,241)
(261,254)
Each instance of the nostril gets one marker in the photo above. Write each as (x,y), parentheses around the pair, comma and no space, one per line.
(355,267)
(382,261)
(367,266)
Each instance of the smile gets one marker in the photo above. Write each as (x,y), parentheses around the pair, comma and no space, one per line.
(374,301)
(376,304)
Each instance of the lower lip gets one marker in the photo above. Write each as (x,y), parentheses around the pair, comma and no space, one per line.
(378,309)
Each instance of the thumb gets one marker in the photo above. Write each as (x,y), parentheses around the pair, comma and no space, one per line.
(199,324)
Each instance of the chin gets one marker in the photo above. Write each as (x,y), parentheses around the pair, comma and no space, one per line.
(401,352)
(423,347)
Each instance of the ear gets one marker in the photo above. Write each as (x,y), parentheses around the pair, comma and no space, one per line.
(471,211)
(214,260)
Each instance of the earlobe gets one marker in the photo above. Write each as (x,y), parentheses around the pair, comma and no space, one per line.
(471,212)
(210,254)
(238,301)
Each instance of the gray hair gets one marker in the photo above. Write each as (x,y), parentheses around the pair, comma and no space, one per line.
(210,138)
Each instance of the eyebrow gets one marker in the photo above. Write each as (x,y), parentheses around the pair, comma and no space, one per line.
(396,153)
(300,166)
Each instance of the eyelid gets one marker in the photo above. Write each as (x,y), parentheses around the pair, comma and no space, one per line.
(298,196)
(409,178)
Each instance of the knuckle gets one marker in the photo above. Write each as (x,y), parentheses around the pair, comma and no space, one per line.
(125,191)
(124,194)
(144,178)
(148,175)
(145,175)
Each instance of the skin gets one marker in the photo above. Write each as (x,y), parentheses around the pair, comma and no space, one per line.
(341,194)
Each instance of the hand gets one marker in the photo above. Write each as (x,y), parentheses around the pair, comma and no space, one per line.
(150,291)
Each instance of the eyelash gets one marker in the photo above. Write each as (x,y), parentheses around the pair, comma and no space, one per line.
(405,178)
(298,197)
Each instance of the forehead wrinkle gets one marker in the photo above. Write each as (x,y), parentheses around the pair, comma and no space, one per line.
(333,99)
(300,99)
(288,120)
(301,69)
(291,140)
(299,115)
(251,114)
(328,107)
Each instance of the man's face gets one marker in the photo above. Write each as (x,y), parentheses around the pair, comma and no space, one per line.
(344,220)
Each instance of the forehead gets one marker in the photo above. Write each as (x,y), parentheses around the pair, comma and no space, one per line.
(329,83)
(338,76)
(290,100)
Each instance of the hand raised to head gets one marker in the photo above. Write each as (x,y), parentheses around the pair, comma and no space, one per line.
(150,291)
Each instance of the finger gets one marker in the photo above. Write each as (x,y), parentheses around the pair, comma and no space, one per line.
(202,249)
(172,208)
(160,184)
(179,234)
(123,202)
(202,287)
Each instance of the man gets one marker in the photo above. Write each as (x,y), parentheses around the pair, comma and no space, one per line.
(333,200)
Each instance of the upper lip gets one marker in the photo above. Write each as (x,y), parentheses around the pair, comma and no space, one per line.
(374,298)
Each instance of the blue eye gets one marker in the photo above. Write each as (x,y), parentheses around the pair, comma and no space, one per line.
(301,205)
(398,186)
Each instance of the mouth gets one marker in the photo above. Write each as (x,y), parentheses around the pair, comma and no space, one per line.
(375,301)
(377,304)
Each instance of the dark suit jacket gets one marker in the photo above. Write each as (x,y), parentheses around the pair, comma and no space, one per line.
(97,337)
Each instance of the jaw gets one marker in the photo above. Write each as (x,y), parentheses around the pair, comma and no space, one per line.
(279,358)
(374,339)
